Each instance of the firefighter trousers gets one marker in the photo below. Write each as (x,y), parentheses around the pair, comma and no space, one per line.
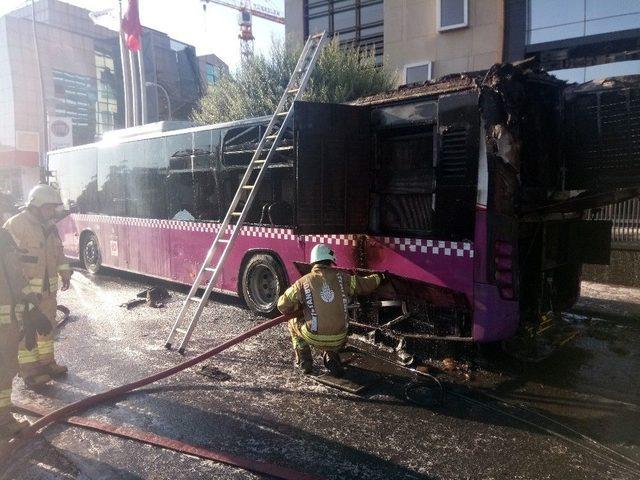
(32,362)
(8,367)
(302,338)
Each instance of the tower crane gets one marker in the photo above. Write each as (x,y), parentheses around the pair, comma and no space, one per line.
(248,10)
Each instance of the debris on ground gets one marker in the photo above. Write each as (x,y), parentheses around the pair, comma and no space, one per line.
(154,296)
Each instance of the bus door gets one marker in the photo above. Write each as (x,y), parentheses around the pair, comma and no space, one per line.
(333,145)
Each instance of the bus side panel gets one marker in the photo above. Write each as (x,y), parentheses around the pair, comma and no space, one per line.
(189,244)
(70,236)
(493,318)
(149,248)
(284,243)
(443,263)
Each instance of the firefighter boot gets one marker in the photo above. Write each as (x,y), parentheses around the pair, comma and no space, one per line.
(304,360)
(10,427)
(56,370)
(333,363)
(36,381)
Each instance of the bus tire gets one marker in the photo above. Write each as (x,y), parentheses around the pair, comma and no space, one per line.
(90,253)
(263,281)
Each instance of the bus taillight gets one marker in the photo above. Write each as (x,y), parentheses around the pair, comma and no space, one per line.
(503,257)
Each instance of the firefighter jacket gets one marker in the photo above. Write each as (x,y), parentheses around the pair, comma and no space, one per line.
(41,256)
(12,283)
(324,295)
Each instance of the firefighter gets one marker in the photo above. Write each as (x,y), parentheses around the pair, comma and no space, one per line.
(12,303)
(323,295)
(42,261)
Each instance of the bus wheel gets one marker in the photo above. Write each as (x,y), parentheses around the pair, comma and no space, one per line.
(91,256)
(263,281)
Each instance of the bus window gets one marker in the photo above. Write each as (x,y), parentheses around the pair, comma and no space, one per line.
(274,200)
(179,150)
(76,173)
(111,180)
(239,144)
(402,197)
(193,196)
(147,166)
(206,148)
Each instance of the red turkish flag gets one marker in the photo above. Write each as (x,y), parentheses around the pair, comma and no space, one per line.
(131,26)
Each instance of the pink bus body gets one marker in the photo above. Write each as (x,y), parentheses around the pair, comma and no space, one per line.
(173,250)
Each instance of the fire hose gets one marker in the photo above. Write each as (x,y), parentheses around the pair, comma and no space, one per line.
(62,414)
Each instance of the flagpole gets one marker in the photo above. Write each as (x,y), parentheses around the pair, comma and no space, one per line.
(143,84)
(126,77)
(134,89)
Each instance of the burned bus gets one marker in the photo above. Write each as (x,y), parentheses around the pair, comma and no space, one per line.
(474,189)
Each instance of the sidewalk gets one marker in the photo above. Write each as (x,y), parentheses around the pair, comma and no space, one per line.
(600,299)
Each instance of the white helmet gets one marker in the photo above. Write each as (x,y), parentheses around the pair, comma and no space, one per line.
(321,252)
(43,195)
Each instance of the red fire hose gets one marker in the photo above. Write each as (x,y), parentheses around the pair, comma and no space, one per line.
(65,412)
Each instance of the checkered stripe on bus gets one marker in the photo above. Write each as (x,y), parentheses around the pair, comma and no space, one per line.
(433,247)
(413,245)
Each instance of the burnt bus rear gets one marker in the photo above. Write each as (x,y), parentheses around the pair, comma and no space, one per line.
(511,160)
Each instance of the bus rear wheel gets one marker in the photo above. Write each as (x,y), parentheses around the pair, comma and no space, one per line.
(263,281)
(91,255)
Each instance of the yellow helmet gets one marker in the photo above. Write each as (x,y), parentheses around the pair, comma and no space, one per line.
(43,195)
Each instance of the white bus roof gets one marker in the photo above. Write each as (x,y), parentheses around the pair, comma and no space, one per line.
(157,130)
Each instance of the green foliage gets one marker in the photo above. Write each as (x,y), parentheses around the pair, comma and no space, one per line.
(341,74)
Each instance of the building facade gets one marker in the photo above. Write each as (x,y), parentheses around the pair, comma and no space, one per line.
(82,83)
(576,40)
(418,39)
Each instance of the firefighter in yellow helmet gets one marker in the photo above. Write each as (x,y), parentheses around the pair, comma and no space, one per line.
(42,261)
(323,296)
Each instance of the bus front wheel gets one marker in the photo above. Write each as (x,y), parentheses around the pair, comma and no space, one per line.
(263,281)
(91,256)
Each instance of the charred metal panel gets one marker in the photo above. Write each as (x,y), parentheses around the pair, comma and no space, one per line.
(457,164)
(333,145)
(603,133)
(589,242)
(402,187)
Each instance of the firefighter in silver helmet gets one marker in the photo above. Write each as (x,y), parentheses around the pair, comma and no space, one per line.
(323,296)
(45,269)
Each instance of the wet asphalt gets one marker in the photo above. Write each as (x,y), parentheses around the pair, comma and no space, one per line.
(573,416)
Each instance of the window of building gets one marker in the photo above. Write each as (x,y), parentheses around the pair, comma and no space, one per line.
(359,21)
(417,73)
(76,97)
(107,101)
(550,20)
(452,14)
(212,74)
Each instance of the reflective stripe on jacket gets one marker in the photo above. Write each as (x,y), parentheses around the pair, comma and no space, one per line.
(41,253)
(324,295)
(12,282)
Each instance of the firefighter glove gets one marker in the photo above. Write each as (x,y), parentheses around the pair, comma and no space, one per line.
(35,323)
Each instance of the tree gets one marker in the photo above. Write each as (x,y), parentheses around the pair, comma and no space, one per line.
(343,73)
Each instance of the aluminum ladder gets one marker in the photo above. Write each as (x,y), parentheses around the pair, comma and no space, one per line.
(247,190)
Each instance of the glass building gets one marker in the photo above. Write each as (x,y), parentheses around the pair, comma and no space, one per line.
(576,40)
